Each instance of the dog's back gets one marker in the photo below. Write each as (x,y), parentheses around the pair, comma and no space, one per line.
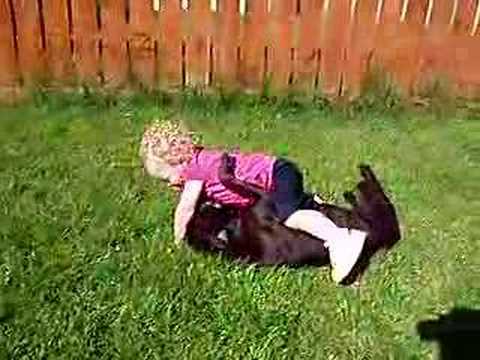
(262,239)
(256,236)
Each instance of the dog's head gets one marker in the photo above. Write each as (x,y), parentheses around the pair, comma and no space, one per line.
(377,208)
(204,231)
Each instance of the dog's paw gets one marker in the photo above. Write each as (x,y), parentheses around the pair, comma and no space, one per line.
(318,199)
(223,236)
(356,284)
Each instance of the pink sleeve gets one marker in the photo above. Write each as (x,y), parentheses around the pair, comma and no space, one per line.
(193,172)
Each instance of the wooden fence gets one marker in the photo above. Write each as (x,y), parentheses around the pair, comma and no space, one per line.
(305,45)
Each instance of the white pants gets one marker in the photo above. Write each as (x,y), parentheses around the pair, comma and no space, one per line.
(320,226)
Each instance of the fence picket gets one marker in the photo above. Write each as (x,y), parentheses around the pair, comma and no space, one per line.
(255,44)
(336,30)
(8,73)
(31,44)
(59,47)
(465,17)
(361,46)
(307,39)
(229,74)
(172,51)
(203,44)
(441,15)
(116,67)
(142,42)
(87,42)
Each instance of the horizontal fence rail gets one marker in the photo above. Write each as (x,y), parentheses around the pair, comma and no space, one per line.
(326,46)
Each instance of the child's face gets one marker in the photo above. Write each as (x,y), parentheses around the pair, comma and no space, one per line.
(161,169)
(165,150)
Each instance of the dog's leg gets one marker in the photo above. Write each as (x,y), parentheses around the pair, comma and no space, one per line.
(226,175)
(342,217)
(243,188)
(344,245)
(358,214)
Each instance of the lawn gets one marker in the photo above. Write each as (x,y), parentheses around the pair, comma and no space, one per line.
(89,269)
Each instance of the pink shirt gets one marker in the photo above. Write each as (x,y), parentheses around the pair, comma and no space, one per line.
(254,168)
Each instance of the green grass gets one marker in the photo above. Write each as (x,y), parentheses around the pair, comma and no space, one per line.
(89,270)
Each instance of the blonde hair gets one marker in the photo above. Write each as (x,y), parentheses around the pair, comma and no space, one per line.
(168,140)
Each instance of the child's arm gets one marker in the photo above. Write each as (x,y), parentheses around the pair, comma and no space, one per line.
(186,208)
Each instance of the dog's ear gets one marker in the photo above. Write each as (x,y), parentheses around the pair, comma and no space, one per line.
(367,172)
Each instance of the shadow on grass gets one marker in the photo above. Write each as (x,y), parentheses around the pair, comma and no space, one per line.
(457,333)
(6,309)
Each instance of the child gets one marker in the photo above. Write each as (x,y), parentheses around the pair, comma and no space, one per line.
(169,152)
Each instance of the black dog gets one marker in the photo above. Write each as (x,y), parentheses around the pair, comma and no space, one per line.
(256,236)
